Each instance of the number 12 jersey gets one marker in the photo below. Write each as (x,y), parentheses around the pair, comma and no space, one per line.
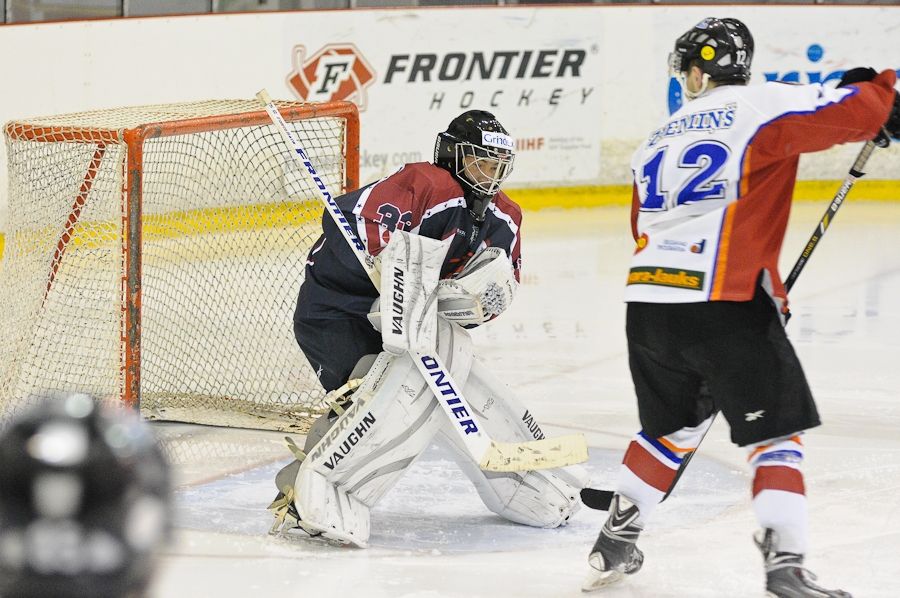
(713,184)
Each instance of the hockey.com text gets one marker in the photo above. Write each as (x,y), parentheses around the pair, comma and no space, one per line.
(513,65)
(449,394)
(397,302)
(352,439)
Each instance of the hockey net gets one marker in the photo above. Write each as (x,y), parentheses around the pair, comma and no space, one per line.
(153,255)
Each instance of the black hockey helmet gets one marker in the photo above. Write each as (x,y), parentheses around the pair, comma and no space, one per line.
(479,136)
(722,48)
(84,501)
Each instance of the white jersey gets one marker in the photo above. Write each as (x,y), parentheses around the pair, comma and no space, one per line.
(713,184)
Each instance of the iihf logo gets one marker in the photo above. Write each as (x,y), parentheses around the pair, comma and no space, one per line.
(336,72)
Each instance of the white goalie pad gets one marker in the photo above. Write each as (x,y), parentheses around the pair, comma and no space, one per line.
(545,498)
(393,418)
(484,289)
(410,269)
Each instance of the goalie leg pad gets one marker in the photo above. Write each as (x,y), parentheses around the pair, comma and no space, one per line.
(392,420)
(545,498)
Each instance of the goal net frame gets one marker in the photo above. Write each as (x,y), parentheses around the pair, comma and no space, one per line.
(130,232)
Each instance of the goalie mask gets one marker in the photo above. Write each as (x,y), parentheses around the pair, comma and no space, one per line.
(479,153)
(721,48)
(84,501)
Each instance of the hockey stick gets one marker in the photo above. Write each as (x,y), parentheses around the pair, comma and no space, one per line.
(856,173)
(596,498)
(490,455)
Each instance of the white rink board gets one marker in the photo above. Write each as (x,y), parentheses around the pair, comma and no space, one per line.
(578,85)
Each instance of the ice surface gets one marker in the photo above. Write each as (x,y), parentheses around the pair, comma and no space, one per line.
(562,348)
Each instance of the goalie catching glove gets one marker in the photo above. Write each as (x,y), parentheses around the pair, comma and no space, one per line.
(484,289)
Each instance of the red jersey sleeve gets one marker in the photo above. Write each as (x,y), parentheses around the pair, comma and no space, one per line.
(857,117)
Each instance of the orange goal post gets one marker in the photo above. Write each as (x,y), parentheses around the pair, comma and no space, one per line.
(153,256)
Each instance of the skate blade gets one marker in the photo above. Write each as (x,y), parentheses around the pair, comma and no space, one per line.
(281,508)
(598,576)
(600,579)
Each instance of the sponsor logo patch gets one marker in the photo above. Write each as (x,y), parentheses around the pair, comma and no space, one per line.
(667,277)
(754,415)
(500,140)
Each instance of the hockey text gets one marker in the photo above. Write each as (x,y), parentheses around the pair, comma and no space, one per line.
(449,395)
(502,67)
(517,64)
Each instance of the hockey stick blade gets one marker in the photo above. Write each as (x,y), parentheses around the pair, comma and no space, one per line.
(547,453)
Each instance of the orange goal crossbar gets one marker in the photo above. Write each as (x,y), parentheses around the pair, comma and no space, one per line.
(133,137)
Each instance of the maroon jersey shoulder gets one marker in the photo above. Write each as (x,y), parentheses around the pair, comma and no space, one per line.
(423,184)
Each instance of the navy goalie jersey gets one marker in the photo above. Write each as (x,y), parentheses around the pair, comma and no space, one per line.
(420,198)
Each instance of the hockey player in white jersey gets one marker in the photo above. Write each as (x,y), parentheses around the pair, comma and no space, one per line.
(455,237)
(706,304)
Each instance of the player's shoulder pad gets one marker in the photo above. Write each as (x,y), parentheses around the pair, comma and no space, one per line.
(421,183)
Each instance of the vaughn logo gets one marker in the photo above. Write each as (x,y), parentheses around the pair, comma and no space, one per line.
(336,72)
(533,426)
(397,303)
(339,451)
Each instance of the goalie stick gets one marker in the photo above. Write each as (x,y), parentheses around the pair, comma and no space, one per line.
(489,454)
(595,498)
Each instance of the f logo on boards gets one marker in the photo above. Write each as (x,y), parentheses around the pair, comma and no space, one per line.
(336,72)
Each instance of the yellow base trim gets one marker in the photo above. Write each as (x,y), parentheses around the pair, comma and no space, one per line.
(92,234)
(588,196)
(620,195)
(571,197)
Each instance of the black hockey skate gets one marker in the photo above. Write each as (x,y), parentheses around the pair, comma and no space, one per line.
(286,516)
(785,575)
(615,553)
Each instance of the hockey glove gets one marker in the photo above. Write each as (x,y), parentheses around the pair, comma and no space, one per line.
(861,74)
(484,289)
(857,75)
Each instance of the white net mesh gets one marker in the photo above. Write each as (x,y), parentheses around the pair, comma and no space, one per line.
(227,222)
